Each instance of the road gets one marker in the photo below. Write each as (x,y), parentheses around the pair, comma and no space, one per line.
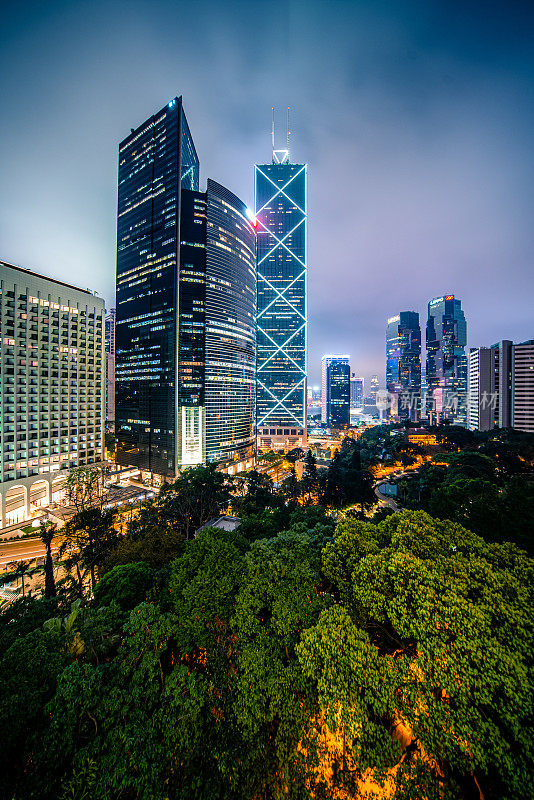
(385,499)
(23,550)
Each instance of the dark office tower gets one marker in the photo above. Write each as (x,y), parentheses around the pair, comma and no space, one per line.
(156,161)
(403,365)
(338,393)
(280,191)
(446,363)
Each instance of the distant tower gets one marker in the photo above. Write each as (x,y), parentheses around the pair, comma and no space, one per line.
(335,404)
(403,365)
(281,228)
(446,362)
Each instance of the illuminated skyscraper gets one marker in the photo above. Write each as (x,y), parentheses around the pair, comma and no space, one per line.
(335,407)
(186,295)
(403,365)
(446,363)
(280,207)
(357,392)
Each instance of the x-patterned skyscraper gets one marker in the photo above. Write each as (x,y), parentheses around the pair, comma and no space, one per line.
(280,207)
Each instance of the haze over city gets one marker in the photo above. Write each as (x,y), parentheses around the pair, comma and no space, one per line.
(415,120)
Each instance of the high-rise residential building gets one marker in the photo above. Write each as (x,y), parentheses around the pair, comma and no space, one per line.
(446,362)
(109,347)
(281,219)
(523,386)
(186,293)
(335,385)
(356,392)
(52,416)
(403,365)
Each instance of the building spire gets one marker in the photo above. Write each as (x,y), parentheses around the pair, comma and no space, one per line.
(280,156)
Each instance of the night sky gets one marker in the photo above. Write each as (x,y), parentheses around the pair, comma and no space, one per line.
(416,120)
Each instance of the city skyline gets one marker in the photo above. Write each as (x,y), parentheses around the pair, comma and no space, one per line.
(430,121)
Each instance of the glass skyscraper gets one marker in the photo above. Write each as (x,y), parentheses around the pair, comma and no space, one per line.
(338,393)
(186,293)
(281,220)
(446,362)
(403,365)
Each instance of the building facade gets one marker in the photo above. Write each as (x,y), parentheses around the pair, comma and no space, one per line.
(281,226)
(403,366)
(523,386)
(335,390)
(357,392)
(156,161)
(482,388)
(186,295)
(446,362)
(501,386)
(338,394)
(217,348)
(52,379)
(109,355)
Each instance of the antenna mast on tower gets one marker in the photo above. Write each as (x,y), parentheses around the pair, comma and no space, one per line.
(288,133)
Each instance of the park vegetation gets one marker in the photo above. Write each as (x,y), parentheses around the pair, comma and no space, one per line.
(323,649)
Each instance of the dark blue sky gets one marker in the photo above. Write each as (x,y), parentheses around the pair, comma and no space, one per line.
(416,119)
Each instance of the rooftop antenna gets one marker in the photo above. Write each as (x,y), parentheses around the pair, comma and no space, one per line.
(280,156)
(272,133)
(288,133)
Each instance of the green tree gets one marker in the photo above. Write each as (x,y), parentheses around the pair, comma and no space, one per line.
(88,538)
(125,585)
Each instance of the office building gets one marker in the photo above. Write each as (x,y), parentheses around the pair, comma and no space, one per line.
(374,386)
(446,362)
(501,386)
(335,379)
(403,366)
(51,335)
(482,388)
(281,226)
(156,160)
(217,312)
(109,348)
(356,393)
(185,326)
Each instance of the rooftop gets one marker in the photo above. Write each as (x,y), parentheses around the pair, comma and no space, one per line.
(45,277)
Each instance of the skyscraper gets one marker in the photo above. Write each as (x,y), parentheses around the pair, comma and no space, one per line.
(281,219)
(446,363)
(356,392)
(335,401)
(186,293)
(403,365)
(218,316)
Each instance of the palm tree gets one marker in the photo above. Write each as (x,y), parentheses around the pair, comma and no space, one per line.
(20,570)
(47,532)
